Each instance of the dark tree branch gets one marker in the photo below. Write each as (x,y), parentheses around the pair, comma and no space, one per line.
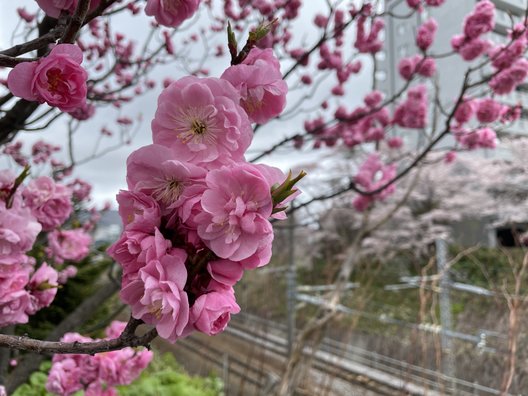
(50,30)
(76,22)
(127,339)
(9,61)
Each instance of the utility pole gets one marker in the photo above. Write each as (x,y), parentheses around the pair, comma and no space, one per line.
(291,281)
(448,361)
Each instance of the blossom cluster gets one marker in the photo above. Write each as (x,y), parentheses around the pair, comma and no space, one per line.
(96,375)
(508,70)
(28,211)
(196,214)
(368,179)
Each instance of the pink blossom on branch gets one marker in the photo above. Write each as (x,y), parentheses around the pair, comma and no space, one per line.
(43,288)
(15,301)
(70,245)
(99,374)
(480,138)
(225,272)
(138,211)
(465,110)
(212,311)
(412,113)
(155,171)
(53,8)
(236,207)
(171,12)
(469,49)
(369,43)
(157,296)
(49,202)
(58,79)
(373,174)
(259,82)
(18,231)
(481,20)
(508,79)
(489,111)
(202,121)
(426,34)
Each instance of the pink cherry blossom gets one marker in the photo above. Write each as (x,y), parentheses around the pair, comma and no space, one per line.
(369,43)
(154,171)
(434,3)
(115,329)
(80,189)
(201,120)
(481,138)
(372,175)
(64,377)
(414,3)
(157,296)
(15,301)
(53,8)
(407,68)
(43,287)
(426,34)
(42,151)
(83,112)
(138,211)
(69,272)
(25,15)
(465,111)
(259,81)
(97,375)
(470,49)
(58,79)
(212,311)
(489,110)
(395,142)
(503,56)
(412,113)
(481,20)
(136,248)
(70,245)
(236,206)
(18,229)
(426,67)
(50,202)
(170,12)
(225,271)
(508,79)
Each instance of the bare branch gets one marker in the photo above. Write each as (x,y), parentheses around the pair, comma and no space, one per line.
(126,339)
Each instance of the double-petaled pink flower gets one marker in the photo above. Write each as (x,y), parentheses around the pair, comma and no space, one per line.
(236,207)
(53,8)
(157,295)
(259,81)
(171,12)
(212,311)
(202,121)
(155,171)
(58,79)
(49,202)
(71,245)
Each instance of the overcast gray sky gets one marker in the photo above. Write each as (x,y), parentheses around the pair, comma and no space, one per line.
(107,174)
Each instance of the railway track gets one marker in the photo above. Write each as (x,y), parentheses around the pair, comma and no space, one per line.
(251,354)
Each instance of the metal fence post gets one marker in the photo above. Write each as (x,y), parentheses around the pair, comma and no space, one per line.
(448,361)
(225,372)
(291,282)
